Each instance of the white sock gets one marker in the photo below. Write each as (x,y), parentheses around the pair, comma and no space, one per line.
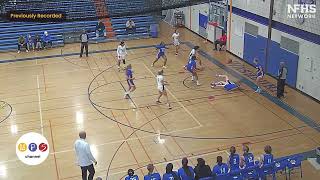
(192,78)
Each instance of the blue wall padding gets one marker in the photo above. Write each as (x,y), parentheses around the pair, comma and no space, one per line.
(278,54)
(203,20)
(254,47)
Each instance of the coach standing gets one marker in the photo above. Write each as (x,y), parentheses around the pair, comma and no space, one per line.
(282,76)
(84,42)
(85,157)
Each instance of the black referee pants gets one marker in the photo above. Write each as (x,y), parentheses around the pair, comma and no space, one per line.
(280,87)
(84,45)
(84,170)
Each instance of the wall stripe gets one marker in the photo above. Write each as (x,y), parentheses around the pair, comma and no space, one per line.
(308,36)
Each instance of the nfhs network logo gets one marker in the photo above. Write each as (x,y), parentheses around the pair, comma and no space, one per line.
(32,148)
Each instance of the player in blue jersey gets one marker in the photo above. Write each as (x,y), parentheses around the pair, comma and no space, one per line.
(152,175)
(220,168)
(131,175)
(259,74)
(170,174)
(186,172)
(247,159)
(192,68)
(267,158)
(130,78)
(161,54)
(234,159)
(226,84)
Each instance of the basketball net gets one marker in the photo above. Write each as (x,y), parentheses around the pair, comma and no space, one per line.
(211,24)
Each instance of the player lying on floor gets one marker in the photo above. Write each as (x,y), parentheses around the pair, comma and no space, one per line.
(226,84)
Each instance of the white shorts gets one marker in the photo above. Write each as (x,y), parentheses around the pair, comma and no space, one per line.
(121,57)
(161,88)
(176,43)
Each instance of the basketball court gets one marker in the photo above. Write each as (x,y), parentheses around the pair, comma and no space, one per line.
(57,94)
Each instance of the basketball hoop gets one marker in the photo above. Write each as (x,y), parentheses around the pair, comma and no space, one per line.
(212,24)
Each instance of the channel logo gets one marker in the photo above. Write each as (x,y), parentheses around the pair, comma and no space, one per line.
(32,148)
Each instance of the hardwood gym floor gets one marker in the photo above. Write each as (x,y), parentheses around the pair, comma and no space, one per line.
(49,95)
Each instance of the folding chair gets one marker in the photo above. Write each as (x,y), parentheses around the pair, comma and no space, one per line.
(267,170)
(281,165)
(223,176)
(294,162)
(251,172)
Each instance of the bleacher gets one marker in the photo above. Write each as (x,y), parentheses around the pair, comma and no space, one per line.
(120,7)
(117,7)
(10,31)
(79,9)
(142,26)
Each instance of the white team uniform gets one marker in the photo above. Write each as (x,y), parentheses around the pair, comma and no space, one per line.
(192,53)
(160,83)
(175,39)
(121,52)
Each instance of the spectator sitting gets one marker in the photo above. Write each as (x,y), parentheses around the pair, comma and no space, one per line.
(247,160)
(131,175)
(202,170)
(100,29)
(220,168)
(37,41)
(234,159)
(170,174)
(30,42)
(21,43)
(130,26)
(267,158)
(221,41)
(46,40)
(151,175)
(186,172)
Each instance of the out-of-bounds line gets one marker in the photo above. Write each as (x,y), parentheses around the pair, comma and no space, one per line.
(39,103)
(74,54)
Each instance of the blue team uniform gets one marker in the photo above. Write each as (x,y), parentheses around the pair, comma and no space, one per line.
(169,176)
(184,176)
(191,65)
(248,159)
(129,75)
(134,177)
(154,176)
(259,73)
(234,161)
(162,49)
(220,169)
(230,86)
(267,159)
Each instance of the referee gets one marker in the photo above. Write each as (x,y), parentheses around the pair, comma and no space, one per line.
(282,76)
(84,157)
(84,42)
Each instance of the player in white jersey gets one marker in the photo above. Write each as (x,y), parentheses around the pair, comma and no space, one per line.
(192,53)
(121,52)
(176,43)
(161,88)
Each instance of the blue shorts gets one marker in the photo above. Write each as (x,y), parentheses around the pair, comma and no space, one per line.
(260,74)
(130,82)
(160,55)
(230,87)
